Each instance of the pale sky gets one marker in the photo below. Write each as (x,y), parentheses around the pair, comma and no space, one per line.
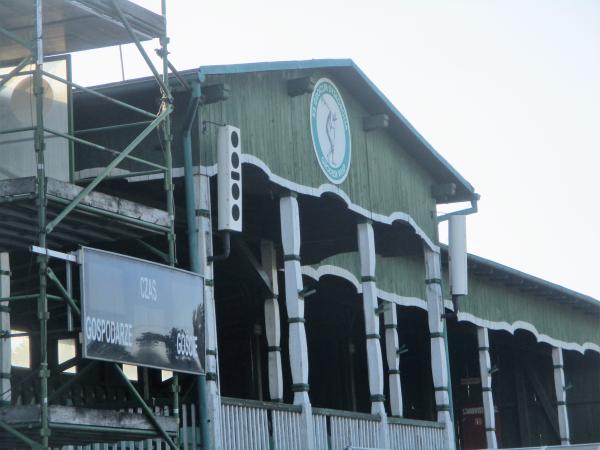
(507,91)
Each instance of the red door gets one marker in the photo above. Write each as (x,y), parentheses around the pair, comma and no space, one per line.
(473,427)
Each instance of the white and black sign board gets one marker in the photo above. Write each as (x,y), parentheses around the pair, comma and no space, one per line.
(142,313)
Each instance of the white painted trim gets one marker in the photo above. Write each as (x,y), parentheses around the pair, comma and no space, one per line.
(336,271)
(296,187)
(522,325)
(332,189)
(332,270)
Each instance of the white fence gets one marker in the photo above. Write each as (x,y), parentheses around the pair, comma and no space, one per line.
(416,435)
(255,425)
(321,435)
(244,427)
(559,447)
(287,430)
(351,429)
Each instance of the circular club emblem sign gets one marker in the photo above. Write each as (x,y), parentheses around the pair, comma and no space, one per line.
(330,131)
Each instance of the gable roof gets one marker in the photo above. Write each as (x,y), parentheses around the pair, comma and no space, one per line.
(368,93)
(350,75)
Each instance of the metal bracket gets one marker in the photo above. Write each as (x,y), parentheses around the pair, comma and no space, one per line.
(54,254)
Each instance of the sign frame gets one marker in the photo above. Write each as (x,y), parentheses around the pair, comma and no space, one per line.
(84,341)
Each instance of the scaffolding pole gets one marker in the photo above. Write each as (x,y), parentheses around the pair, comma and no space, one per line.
(160,121)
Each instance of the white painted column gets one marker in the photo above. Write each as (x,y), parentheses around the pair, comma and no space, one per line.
(392,347)
(485,373)
(290,237)
(366,250)
(273,323)
(5,347)
(439,362)
(204,230)
(561,396)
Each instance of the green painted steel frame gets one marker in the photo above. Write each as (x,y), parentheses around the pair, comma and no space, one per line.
(16,433)
(161,119)
(65,294)
(145,408)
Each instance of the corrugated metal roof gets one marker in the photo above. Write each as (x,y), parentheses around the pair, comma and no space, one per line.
(74,25)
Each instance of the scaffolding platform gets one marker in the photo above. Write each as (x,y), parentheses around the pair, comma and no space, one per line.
(70,425)
(72,26)
(98,217)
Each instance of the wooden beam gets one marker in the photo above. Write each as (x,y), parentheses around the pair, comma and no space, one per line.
(441,192)
(376,122)
(255,264)
(299,86)
(522,408)
(215,93)
(541,393)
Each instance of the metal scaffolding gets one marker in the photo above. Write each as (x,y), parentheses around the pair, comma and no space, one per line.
(48,225)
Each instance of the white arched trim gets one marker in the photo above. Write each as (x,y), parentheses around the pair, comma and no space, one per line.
(336,271)
(340,272)
(326,188)
(522,325)
(345,274)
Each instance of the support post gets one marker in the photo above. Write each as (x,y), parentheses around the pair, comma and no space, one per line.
(485,371)
(561,396)
(166,105)
(392,347)
(439,361)
(366,250)
(5,346)
(211,418)
(272,322)
(39,145)
(298,350)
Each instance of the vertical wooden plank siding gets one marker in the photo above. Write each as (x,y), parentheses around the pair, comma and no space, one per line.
(497,302)
(280,137)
